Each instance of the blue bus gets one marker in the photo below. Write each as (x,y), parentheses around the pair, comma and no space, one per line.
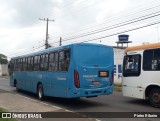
(70,71)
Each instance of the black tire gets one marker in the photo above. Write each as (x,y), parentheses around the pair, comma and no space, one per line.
(17,89)
(16,85)
(40,92)
(154,97)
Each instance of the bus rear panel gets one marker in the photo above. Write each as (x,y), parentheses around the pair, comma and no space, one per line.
(92,70)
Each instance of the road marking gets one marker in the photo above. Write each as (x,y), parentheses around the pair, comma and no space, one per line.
(4,78)
(53,106)
(40,102)
(98,120)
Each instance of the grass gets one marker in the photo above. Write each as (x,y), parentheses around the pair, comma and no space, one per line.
(6,119)
(2,110)
(118,87)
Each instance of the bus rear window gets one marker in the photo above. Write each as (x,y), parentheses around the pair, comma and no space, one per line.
(131,65)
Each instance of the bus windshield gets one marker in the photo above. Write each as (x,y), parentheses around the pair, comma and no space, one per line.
(132,65)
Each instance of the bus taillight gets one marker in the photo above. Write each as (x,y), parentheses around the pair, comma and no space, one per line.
(112,78)
(76,79)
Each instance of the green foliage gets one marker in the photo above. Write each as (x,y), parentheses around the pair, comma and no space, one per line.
(3,59)
(2,110)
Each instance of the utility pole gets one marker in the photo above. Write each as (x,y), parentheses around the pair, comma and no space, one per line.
(46,41)
(60,41)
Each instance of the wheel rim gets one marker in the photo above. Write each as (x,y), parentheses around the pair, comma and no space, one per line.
(40,91)
(156,98)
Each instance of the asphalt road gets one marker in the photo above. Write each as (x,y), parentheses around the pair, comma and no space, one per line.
(111,103)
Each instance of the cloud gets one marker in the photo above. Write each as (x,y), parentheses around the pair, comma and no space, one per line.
(21,29)
(24,12)
(111,7)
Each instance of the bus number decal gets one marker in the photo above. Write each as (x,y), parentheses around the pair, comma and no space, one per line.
(90,76)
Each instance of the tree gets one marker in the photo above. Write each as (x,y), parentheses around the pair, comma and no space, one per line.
(3,59)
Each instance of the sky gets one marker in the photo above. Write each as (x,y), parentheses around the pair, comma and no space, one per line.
(22,32)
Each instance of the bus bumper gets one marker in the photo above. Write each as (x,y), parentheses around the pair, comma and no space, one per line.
(133,92)
(92,92)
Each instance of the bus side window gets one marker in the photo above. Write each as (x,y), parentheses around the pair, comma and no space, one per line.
(15,65)
(151,60)
(147,60)
(23,61)
(51,60)
(67,59)
(25,64)
(19,64)
(157,59)
(36,62)
(56,62)
(22,64)
(44,62)
(17,61)
(30,64)
(64,59)
(61,61)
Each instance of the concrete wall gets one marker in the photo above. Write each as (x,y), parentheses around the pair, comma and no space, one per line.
(118,60)
(3,69)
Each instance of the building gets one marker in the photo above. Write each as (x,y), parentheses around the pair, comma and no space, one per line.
(3,69)
(118,56)
(118,60)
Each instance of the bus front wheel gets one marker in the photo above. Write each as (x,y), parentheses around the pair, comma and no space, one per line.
(154,97)
(40,92)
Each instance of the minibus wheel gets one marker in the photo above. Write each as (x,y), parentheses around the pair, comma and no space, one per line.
(40,92)
(154,97)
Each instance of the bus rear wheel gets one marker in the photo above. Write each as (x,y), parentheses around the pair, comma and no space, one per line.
(154,97)
(16,85)
(17,89)
(40,92)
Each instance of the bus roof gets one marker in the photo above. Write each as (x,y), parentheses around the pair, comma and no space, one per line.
(142,47)
(57,48)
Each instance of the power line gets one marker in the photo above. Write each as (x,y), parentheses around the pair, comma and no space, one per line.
(25,52)
(111,20)
(115,16)
(77,9)
(115,26)
(129,30)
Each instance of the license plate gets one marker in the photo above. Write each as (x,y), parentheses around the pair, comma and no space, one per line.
(95,82)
